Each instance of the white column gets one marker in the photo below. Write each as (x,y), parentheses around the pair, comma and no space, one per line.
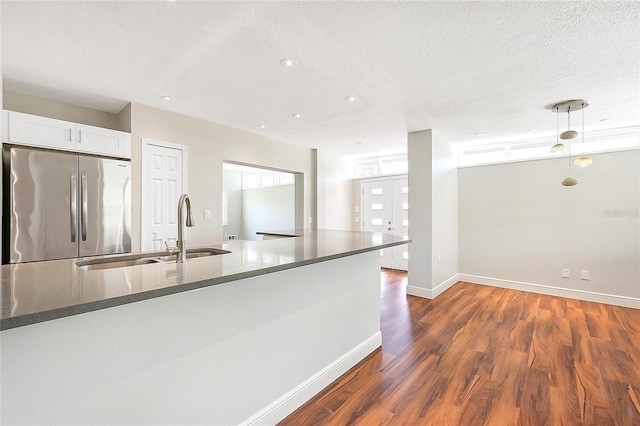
(420,216)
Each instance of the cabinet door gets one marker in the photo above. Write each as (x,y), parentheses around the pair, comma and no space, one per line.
(26,129)
(96,140)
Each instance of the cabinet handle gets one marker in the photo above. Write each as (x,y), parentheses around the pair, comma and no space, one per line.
(69,134)
(79,136)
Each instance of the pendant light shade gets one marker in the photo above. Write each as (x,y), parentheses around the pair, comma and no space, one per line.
(583,161)
(568,134)
(570,181)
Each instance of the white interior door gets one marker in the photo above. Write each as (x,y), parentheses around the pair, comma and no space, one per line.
(163,185)
(385,209)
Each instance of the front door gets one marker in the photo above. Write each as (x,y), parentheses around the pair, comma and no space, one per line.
(385,209)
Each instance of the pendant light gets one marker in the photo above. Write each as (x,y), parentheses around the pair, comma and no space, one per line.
(583,161)
(568,106)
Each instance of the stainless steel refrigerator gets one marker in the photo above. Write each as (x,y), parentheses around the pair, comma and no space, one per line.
(60,205)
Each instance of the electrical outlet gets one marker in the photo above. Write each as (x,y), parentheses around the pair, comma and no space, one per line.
(584,275)
(310,219)
(566,273)
(207,214)
(232,237)
(357,220)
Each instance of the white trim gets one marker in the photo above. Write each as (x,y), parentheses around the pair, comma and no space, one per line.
(144,202)
(419,291)
(590,296)
(443,286)
(289,402)
(436,291)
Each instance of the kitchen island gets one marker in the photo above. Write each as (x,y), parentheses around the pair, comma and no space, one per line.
(238,338)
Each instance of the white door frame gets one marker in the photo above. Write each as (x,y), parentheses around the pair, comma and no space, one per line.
(145,204)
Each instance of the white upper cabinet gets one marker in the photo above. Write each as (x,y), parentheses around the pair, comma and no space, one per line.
(33,130)
(96,140)
(25,129)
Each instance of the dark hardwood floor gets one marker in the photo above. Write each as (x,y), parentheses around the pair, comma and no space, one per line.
(481,355)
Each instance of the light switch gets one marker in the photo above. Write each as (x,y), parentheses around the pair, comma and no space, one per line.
(584,275)
(207,214)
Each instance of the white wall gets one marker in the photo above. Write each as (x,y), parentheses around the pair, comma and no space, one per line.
(335,192)
(270,208)
(29,104)
(209,145)
(520,225)
(444,207)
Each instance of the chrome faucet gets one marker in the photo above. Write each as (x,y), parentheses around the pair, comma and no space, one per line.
(182,243)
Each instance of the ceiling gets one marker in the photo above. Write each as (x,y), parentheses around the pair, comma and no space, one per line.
(461,68)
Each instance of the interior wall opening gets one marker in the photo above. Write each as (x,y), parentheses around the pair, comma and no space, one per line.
(257,199)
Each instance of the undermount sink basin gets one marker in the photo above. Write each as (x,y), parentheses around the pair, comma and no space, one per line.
(144,259)
(113,263)
(195,253)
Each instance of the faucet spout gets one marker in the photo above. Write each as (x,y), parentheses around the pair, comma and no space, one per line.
(182,243)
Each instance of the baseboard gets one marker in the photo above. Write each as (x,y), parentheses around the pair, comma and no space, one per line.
(289,402)
(590,296)
(436,291)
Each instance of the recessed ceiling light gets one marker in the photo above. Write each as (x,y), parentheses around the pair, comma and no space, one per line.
(479,134)
(262,126)
(296,115)
(358,143)
(606,119)
(165,98)
(531,130)
(350,98)
(287,62)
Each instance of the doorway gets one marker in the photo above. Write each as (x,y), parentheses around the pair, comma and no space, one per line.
(385,208)
(256,198)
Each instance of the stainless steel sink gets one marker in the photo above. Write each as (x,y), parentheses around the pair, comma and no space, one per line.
(113,263)
(195,253)
(144,259)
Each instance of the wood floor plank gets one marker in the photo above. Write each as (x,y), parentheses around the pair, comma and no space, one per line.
(481,355)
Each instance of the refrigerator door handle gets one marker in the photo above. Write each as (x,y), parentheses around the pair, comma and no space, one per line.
(73,193)
(83,213)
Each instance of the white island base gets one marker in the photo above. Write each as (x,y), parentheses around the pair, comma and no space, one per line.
(244,352)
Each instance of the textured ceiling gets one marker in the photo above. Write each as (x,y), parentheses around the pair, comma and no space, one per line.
(459,67)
